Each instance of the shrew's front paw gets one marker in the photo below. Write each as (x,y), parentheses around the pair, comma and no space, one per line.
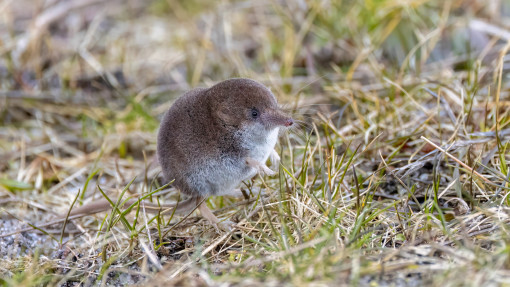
(274,158)
(260,167)
(266,170)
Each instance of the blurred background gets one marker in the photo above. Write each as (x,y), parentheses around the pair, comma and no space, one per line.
(115,66)
(83,84)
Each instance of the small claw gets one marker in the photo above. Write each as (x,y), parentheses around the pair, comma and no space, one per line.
(261,168)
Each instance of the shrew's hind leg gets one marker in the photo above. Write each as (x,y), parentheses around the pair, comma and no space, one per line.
(207,214)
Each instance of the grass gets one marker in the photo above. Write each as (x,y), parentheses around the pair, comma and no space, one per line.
(396,175)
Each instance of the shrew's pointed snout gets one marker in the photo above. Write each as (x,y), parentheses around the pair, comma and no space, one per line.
(277,118)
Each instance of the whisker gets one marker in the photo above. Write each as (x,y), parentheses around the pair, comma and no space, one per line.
(300,129)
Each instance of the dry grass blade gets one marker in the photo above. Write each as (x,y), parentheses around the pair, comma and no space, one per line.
(456,159)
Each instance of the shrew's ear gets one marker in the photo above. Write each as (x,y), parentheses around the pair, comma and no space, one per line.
(226,116)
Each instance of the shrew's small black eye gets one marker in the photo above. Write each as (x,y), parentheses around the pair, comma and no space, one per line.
(254,113)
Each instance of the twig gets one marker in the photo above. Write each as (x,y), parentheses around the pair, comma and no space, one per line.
(456,160)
